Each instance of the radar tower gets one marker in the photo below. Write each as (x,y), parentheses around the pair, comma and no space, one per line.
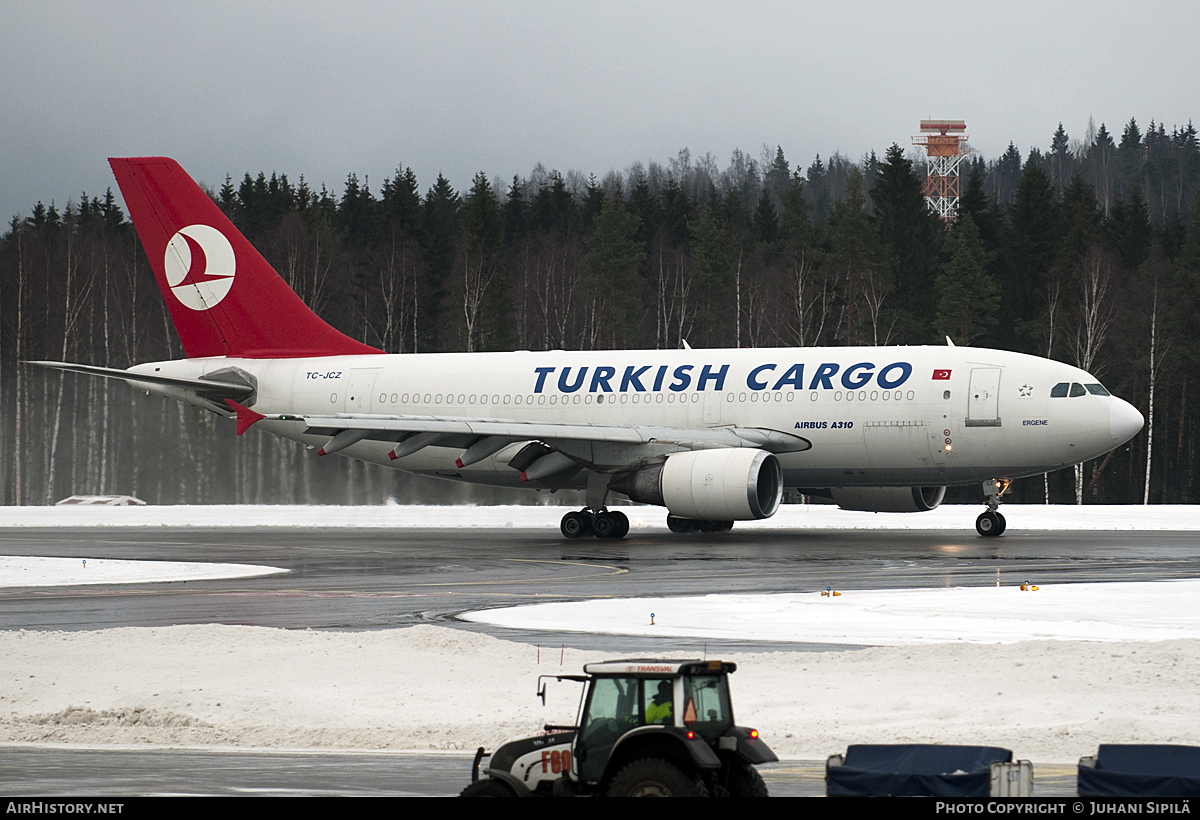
(945,143)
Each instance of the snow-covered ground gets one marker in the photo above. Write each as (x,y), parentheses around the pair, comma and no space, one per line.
(790,516)
(1048,673)
(22,571)
(1143,611)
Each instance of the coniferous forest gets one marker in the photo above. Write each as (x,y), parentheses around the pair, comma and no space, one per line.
(1088,252)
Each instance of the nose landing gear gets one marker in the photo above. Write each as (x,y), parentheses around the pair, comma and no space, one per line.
(991,523)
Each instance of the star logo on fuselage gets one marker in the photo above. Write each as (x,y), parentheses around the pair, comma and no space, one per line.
(1025,390)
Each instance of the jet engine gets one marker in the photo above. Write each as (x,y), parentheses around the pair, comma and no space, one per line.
(726,484)
(888,499)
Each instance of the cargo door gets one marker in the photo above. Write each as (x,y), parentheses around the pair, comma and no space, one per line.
(983,399)
(358,390)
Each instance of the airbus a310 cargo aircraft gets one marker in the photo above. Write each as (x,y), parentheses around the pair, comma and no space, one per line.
(712,435)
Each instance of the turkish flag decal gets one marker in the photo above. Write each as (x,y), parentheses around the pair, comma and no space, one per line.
(941,375)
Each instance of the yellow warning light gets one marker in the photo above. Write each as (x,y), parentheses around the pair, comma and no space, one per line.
(949,447)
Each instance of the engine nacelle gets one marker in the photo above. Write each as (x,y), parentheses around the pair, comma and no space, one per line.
(888,499)
(727,484)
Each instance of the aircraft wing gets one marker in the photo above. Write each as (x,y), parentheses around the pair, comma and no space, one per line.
(600,444)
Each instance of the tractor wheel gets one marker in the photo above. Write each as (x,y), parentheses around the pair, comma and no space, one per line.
(652,777)
(487,787)
(745,781)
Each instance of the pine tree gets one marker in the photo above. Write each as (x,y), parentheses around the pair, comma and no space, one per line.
(611,280)
(1031,245)
(1060,159)
(910,235)
(967,298)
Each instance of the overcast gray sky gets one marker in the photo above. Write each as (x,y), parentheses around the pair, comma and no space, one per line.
(323,89)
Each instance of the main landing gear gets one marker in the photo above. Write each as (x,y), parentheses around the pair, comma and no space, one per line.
(602,524)
(991,523)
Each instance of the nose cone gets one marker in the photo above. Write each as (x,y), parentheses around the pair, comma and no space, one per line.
(1124,421)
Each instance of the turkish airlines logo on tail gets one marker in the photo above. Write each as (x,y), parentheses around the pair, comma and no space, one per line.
(199,264)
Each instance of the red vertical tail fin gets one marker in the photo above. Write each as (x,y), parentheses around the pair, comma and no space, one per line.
(224,299)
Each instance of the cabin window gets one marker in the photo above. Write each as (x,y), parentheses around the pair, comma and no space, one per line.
(946,394)
(1059,391)
(1097,390)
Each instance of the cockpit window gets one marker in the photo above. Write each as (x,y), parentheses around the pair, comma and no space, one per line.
(1059,391)
(1097,390)
(1077,390)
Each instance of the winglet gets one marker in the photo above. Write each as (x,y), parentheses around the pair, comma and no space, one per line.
(246,418)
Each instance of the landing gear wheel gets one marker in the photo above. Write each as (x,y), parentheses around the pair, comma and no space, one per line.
(1003,523)
(745,781)
(989,524)
(487,787)
(679,526)
(575,525)
(610,525)
(651,777)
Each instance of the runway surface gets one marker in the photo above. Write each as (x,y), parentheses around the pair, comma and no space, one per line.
(370,579)
(186,772)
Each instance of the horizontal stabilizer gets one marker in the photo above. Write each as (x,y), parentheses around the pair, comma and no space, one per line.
(205,388)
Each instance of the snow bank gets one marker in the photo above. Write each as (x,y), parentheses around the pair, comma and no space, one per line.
(436,688)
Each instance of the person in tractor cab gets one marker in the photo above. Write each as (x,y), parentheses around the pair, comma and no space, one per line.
(660,708)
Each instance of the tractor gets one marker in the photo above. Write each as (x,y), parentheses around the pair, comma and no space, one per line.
(646,728)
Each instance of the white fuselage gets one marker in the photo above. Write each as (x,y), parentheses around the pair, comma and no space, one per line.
(875,416)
